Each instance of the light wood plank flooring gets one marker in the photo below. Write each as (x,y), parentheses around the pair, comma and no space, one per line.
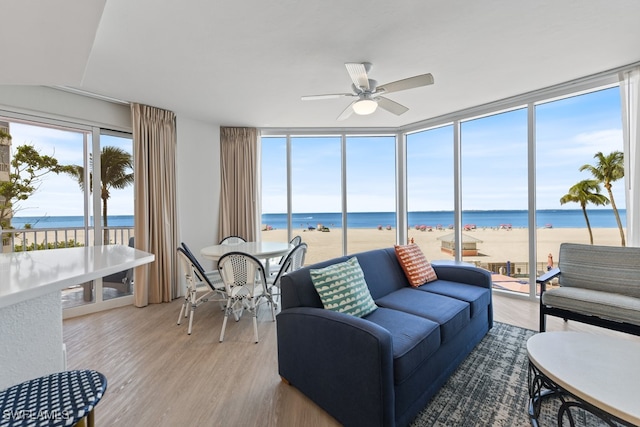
(160,376)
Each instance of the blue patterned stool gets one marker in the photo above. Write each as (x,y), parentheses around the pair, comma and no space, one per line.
(61,399)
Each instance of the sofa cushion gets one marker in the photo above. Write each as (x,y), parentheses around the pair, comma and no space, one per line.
(342,288)
(477,297)
(415,264)
(414,339)
(451,314)
(607,305)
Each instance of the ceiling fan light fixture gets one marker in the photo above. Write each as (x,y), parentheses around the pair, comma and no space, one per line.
(364,107)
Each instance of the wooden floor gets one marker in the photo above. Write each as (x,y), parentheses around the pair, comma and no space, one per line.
(160,376)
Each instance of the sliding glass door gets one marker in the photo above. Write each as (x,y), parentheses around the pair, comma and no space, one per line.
(50,199)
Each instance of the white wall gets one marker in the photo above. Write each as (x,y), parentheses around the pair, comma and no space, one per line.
(198,186)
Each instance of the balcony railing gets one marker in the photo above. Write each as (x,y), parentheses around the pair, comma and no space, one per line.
(27,239)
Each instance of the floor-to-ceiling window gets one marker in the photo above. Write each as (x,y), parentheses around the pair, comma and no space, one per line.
(494,161)
(430,191)
(274,221)
(519,155)
(573,132)
(316,194)
(321,201)
(370,192)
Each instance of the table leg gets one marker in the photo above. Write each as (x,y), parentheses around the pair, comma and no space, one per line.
(541,387)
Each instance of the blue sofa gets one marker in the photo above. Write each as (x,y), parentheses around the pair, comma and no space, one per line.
(382,369)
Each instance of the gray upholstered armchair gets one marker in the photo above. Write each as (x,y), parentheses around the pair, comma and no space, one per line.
(599,285)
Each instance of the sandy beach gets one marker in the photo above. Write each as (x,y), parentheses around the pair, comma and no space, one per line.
(496,246)
(501,251)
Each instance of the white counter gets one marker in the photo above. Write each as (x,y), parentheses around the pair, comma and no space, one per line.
(31,306)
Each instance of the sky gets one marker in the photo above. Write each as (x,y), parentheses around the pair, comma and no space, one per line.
(494,163)
(569,132)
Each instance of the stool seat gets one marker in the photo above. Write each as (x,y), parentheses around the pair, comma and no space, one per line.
(60,399)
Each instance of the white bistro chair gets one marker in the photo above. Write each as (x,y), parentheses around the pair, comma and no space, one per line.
(276,263)
(246,287)
(292,262)
(208,284)
(232,240)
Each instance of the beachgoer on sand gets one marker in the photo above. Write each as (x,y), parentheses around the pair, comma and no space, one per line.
(549,262)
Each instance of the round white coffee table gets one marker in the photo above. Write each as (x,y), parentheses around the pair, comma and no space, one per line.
(598,373)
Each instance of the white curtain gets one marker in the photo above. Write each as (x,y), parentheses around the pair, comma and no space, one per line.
(239,183)
(630,95)
(154,145)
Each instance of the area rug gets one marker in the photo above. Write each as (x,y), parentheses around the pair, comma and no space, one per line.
(490,388)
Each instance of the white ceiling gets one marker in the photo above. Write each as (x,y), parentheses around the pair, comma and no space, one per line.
(246,63)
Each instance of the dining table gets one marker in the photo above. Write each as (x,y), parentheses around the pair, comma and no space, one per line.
(260,250)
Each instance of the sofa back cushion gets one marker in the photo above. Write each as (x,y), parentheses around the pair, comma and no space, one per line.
(381,269)
(602,268)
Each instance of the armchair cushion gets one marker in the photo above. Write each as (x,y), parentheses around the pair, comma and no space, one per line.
(415,265)
(607,305)
(342,288)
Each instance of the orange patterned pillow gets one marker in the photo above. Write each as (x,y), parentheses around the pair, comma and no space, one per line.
(415,265)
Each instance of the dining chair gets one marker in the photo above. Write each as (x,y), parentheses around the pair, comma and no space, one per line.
(246,287)
(214,275)
(232,240)
(292,261)
(274,267)
(197,280)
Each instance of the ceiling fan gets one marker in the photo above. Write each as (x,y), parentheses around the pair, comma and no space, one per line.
(369,94)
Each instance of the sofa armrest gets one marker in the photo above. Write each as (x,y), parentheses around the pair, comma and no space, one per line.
(462,272)
(340,361)
(546,277)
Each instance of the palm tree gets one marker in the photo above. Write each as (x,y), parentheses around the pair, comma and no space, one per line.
(115,173)
(586,191)
(608,169)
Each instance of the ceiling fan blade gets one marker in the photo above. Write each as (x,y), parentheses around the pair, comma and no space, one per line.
(325,96)
(409,83)
(347,112)
(391,106)
(358,74)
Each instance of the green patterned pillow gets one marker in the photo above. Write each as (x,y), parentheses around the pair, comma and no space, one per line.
(342,288)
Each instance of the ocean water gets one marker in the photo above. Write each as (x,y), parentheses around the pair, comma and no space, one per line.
(67,221)
(557,218)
